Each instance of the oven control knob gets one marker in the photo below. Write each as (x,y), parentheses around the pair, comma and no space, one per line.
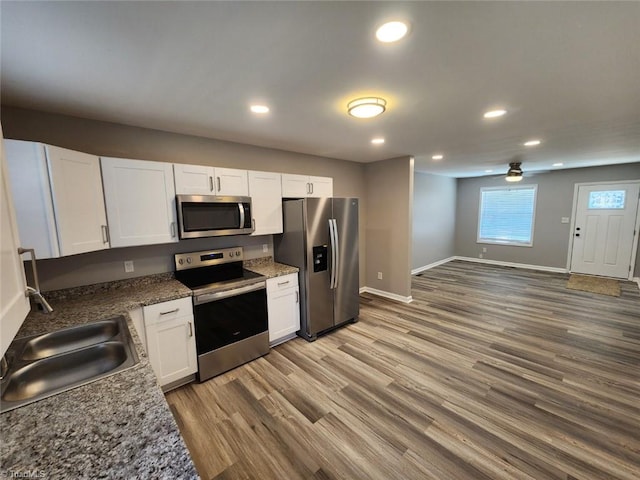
(237,253)
(181,261)
(188,259)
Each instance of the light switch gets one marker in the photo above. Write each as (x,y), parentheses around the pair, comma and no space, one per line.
(128,266)
(564,220)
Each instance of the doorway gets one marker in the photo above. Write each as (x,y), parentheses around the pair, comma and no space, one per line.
(604,230)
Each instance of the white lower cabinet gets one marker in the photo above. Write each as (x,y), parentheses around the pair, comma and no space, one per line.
(283,303)
(171,341)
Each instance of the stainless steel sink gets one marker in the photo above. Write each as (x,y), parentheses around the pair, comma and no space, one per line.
(45,365)
(68,339)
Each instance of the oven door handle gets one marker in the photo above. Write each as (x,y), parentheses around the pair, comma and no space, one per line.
(212,297)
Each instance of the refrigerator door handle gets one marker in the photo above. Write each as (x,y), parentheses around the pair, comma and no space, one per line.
(337,253)
(332,278)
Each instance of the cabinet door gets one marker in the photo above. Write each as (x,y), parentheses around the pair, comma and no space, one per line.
(140,200)
(193,179)
(321,186)
(283,303)
(231,182)
(172,349)
(78,201)
(295,186)
(265,190)
(29,179)
(14,306)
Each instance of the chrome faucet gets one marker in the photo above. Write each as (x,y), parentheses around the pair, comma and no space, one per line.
(4,367)
(31,291)
(39,299)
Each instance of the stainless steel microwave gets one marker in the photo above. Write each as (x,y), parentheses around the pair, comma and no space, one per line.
(213,216)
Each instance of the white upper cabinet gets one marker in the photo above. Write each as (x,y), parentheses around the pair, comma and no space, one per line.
(140,200)
(266,202)
(193,179)
(300,186)
(230,181)
(59,199)
(321,186)
(203,180)
(14,306)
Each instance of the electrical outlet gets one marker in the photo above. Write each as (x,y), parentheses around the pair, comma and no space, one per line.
(484,249)
(128,266)
(379,275)
(265,248)
(564,219)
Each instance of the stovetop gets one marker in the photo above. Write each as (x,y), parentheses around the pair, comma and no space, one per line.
(205,281)
(214,270)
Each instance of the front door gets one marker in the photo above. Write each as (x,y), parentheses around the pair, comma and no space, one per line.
(604,229)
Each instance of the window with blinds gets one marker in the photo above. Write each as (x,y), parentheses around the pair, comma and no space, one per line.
(506,215)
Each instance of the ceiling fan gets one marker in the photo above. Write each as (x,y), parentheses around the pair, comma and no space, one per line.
(514,174)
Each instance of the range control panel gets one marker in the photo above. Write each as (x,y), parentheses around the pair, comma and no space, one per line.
(208,257)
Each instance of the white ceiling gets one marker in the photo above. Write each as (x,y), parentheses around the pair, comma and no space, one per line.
(568,73)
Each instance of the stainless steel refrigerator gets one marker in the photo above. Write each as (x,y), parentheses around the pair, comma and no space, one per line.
(321,239)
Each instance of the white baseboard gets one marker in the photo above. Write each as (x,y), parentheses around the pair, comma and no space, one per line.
(431,265)
(389,295)
(510,264)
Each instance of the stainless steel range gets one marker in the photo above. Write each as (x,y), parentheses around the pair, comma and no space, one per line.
(230,309)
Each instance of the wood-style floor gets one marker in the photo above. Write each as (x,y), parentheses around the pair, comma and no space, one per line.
(491,373)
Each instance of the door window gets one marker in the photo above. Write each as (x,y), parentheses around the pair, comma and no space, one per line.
(607,200)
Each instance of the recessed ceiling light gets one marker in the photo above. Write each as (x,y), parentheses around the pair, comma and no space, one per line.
(494,113)
(377,141)
(559,164)
(259,109)
(438,157)
(488,171)
(531,143)
(366,107)
(391,31)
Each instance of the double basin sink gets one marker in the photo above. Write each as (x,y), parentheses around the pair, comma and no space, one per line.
(44,365)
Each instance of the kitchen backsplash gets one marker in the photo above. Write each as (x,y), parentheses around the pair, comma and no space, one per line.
(108,265)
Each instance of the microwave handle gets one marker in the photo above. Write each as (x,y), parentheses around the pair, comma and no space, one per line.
(241,208)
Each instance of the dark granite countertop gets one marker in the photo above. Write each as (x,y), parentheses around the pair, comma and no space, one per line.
(116,427)
(267,267)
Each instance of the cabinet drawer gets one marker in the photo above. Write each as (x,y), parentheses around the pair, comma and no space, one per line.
(277,284)
(162,312)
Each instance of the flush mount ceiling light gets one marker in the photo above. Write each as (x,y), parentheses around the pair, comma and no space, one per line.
(514,174)
(531,143)
(377,141)
(366,107)
(259,109)
(437,157)
(559,164)
(391,31)
(494,113)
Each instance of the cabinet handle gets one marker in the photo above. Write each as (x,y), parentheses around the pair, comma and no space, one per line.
(173,229)
(297,296)
(219,184)
(170,311)
(311,188)
(190,330)
(253,224)
(283,283)
(308,188)
(105,234)
(211,183)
